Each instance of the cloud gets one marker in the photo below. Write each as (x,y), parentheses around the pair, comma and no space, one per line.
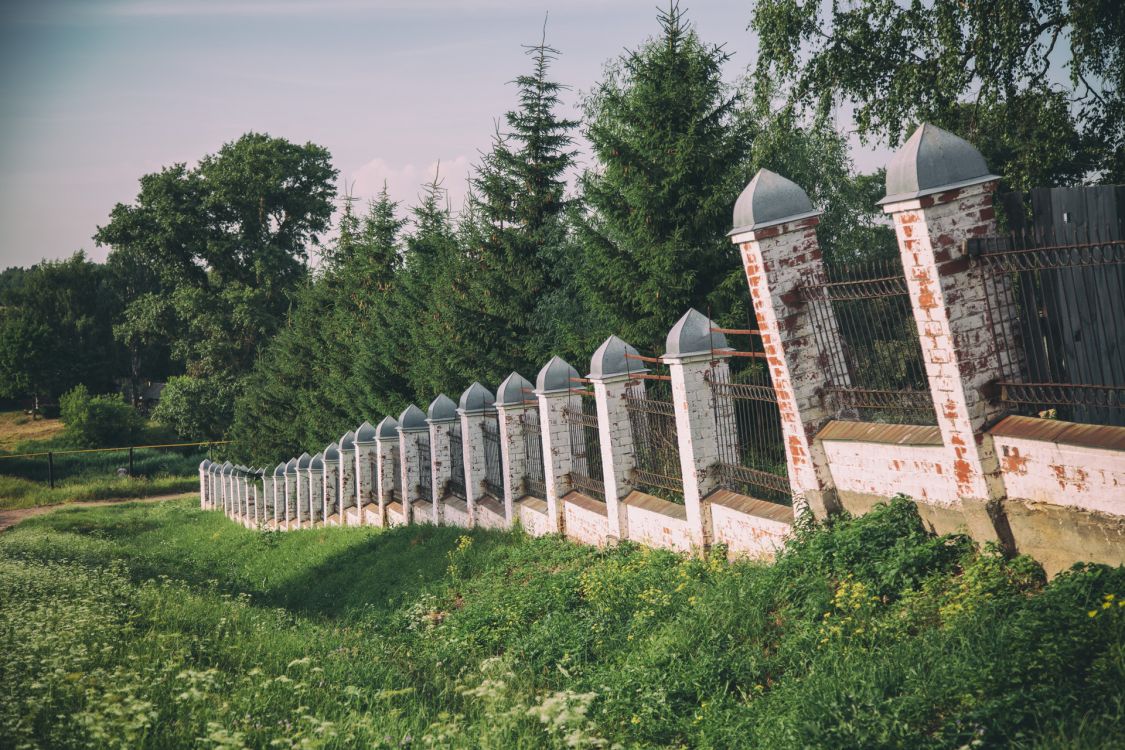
(404,181)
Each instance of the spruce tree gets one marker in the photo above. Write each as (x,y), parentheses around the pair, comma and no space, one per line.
(671,159)
(514,227)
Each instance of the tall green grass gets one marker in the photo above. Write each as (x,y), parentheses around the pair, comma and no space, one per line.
(165,626)
(16,493)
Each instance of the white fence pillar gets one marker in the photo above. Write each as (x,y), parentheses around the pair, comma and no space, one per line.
(316,490)
(330,489)
(552,388)
(303,490)
(411,424)
(477,405)
(386,468)
(349,516)
(514,399)
(613,372)
(365,489)
(441,416)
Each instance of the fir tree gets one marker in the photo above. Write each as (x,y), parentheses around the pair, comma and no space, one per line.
(671,155)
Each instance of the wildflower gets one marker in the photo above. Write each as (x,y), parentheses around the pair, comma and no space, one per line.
(636,719)
(1092,613)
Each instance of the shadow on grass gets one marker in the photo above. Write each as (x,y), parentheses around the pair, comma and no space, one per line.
(320,573)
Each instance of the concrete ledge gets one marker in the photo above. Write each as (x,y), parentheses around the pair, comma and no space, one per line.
(332,520)
(1102,437)
(396,516)
(749,527)
(585,519)
(1059,536)
(963,516)
(875,432)
(371,515)
(490,513)
(656,522)
(455,512)
(422,510)
(353,516)
(532,515)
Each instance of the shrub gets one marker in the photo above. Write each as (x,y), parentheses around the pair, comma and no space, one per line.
(196,408)
(97,421)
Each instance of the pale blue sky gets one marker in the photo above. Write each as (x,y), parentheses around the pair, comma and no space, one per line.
(95,94)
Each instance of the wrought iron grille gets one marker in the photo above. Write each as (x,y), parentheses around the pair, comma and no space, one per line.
(652,420)
(1054,304)
(456,462)
(585,445)
(425,476)
(865,331)
(751,448)
(534,480)
(493,460)
(396,479)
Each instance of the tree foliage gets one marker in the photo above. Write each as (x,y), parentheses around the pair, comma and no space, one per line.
(1037,85)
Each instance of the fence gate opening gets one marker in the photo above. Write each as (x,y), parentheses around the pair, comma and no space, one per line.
(456,462)
(752,457)
(534,480)
(493,461)
(581,416)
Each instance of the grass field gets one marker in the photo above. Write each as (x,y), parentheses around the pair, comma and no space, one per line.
(164,626)
(86,476)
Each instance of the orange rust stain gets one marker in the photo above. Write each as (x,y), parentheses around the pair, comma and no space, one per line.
(949,409)
(963,471)
(1013,462)
(1074,475)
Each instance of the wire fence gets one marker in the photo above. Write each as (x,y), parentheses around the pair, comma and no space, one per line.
(652,420)
(864,327)
(456,462)
(493,459)
(1055,302)
(425,477)
(534,478)
(581,418)
(56,466)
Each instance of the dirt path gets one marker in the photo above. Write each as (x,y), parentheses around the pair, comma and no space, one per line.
(9,518)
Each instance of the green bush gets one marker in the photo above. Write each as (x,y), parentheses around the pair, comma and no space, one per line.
(197,408)
(99,421)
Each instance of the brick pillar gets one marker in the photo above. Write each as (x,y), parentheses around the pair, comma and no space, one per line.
(386,446)
(303,490)
(776,233)
(552,388)
(940,194)
(411,424)
(514,398)
(330,487)
(441,416)
(291,494)
(691,353)
(203,467)
(477,404)
(612,373)
(316,490)
(350,515)
(277,499)
(365,500)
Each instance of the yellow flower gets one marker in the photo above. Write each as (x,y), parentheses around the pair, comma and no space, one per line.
(1093,613)
(1107,605)
(636,719)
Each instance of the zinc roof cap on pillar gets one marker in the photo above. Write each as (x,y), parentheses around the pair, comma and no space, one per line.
(476,400)
(303,461)
(412,419)
(388,428)
(555,376)
(332,452)
(227,468)
(317,463)
(692,335)
(770,199)
(365,434)
(514,390)
(347,442)
(291,467)
(279,470)
(932,161)
(442,409)
(612,359)
(205,464)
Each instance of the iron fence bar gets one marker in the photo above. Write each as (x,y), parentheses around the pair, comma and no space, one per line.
(425,478)
(456,462)
(585,446)
(653,424)
(493,459)
(535,481)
